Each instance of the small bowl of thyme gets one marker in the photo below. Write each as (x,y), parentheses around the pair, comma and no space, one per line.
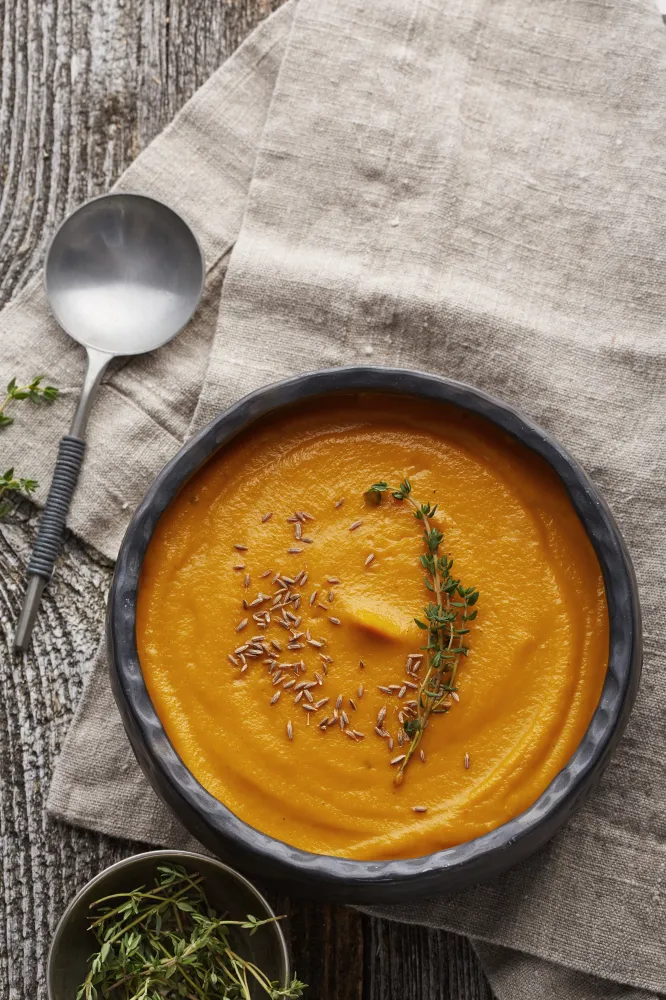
(170,924)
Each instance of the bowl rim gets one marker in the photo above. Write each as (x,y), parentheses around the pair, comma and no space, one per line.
(158,854)
(533,826)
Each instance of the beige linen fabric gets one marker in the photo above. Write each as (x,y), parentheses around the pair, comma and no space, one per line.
(474,188)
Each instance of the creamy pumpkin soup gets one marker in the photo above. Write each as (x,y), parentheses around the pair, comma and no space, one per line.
(373,679)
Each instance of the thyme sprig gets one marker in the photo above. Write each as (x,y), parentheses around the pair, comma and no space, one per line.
(447,620)
(167,942)
(33,390)
(10,483)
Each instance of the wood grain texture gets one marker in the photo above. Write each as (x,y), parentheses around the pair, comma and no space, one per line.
(85,85)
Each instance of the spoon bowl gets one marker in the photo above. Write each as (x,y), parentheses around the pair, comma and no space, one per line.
(123,275)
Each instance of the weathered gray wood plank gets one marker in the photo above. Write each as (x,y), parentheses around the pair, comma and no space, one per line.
(84,86)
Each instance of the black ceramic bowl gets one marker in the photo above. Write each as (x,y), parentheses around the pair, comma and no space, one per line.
(227,891)
(374,881)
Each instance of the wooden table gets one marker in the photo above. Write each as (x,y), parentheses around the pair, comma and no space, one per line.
(86,84)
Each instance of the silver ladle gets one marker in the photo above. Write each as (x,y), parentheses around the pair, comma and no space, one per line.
(123,275)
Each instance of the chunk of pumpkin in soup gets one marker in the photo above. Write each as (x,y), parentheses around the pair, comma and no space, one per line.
(282,655)
(387,624)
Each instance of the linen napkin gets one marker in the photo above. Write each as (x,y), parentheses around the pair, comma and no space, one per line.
(474,188)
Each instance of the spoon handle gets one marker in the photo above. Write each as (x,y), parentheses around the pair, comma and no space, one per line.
(49,538)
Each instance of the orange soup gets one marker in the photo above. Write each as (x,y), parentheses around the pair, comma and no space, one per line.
(277,636)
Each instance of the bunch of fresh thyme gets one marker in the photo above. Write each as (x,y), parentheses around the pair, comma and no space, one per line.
(447,620)
(33,390)
(167,942)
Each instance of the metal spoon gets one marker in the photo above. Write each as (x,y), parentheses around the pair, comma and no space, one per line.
(123,275)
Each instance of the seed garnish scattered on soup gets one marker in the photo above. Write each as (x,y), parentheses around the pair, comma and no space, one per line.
(311,641)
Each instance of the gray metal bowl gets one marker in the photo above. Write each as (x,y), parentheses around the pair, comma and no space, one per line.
(375,881)
(227,891)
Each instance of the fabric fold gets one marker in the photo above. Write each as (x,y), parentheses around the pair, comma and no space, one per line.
(474,189)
